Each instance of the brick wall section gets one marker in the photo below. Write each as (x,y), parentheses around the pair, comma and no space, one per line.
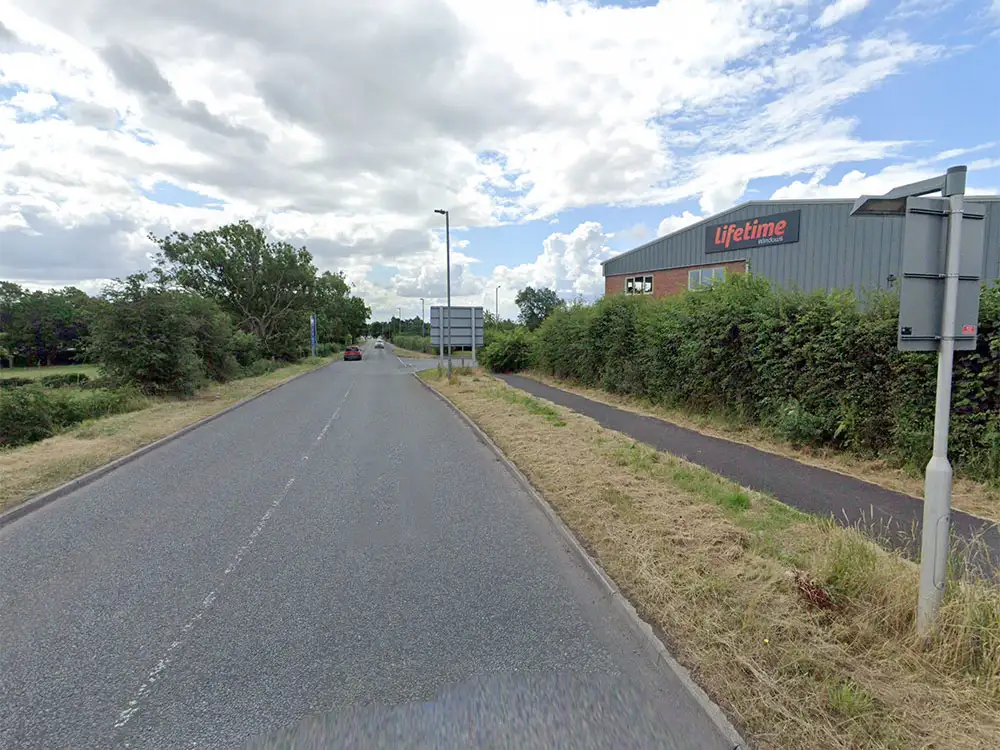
(673,281)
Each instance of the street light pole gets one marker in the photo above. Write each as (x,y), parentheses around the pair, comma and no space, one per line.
(497,313)
(447,251)
(423,327)
(399,320)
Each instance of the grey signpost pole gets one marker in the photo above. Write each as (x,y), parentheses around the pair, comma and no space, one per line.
(447,256)
(938,475)
(440,334)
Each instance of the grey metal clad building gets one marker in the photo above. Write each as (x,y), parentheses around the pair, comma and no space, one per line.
(803,244)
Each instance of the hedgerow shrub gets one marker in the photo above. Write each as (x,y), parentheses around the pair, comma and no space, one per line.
(26,415)
(64,380)
(509,351)
(816,369)
(413,343)
(245,347)
(31,414)
(7,384)
(163,341)
(260,367)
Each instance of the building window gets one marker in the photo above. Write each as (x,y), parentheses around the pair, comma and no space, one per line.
(639,285)
(700,278)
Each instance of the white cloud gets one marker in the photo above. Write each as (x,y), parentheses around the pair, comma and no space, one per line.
(33,103)
(921,8)
(838,10)
(343,125)
(673,223)
(569,263)
(857,182)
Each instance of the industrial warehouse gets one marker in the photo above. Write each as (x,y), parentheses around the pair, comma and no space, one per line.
(797,244)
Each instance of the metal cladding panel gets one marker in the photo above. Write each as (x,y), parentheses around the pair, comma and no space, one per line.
(834,251)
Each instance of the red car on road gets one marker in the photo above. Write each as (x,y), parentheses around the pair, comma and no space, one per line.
(352,352)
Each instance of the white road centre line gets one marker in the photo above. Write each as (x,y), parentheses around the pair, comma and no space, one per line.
(329,422)
(336,414)
(206,604)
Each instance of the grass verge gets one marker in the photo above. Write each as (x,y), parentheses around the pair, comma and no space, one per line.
(90,371)
(32,469)
(801,630)
(973,497)
(407,354)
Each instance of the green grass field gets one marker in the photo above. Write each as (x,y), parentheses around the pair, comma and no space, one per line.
(39,372)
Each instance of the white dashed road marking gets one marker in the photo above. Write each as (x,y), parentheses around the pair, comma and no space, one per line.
(165,660)
(206,604)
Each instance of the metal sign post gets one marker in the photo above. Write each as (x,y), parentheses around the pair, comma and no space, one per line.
(943,241)
(447,266)
(462,325)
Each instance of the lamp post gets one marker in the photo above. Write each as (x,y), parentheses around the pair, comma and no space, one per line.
(399,320)
(941,336)
(497,308)
(447,251)
(423,327)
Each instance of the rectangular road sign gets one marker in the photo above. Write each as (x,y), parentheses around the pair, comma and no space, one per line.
(921,293)
(461,326)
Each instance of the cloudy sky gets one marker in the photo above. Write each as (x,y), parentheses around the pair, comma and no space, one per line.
(557,133)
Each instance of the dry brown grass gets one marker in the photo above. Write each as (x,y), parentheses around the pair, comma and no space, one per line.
(968,495)
(32,469)
(800,629)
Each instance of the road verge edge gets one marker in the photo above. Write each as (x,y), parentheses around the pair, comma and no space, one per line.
(655,647)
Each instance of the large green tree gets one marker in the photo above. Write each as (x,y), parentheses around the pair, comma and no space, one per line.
(269,288)
(10,294)
(164,340)
(339,314)
(536,305)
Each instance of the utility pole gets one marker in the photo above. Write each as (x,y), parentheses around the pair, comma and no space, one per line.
(423,326)
(447,251)
(497,313)
(399,320)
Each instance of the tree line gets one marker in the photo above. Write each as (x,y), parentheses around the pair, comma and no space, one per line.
(214,304)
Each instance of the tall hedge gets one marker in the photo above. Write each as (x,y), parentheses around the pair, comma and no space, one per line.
(509,351)
(817,369)
(163,341)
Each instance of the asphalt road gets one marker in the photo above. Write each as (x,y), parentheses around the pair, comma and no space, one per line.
(339,563)
(892,518)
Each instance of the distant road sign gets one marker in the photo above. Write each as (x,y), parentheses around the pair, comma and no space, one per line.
(461,326)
